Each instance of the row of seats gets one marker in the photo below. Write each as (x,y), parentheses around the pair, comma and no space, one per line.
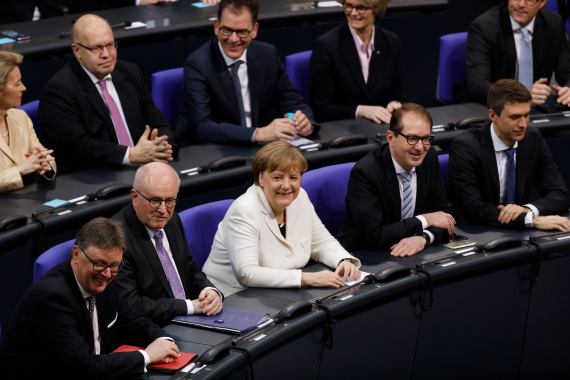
(167,85)
(326,188)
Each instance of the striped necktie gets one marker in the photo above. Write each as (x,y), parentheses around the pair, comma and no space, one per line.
(407,195)
(171,274)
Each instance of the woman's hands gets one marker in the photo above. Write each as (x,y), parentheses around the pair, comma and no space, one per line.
(37,161)
(346,271)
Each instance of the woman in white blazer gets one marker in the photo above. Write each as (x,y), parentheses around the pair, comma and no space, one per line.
(271,232)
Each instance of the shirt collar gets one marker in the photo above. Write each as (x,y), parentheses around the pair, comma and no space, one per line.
(358,41)
(93,78)
(230,61)
(151,232)
(516,26)
(498,144)
(83,292)
(400,169)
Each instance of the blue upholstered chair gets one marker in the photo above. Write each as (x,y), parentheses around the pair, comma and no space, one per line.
(53,256)
(31,109)
(201,224)
(552,5)
(452,51)
(326,188)
(297,67)
(167,88)
(443,161)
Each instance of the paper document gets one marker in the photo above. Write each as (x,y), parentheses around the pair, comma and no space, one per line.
(362,275)
(326,4)
(298,141)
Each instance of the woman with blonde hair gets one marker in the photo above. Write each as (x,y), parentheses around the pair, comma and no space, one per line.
(21,153)
(269,234)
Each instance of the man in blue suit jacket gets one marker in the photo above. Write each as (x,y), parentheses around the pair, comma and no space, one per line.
(213,111)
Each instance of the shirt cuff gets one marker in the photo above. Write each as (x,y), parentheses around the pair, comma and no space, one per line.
(219,293)
(423,220)
(253,135)
(528,220)
(356,113)
(190,308)
(126,161)
(533,208)
(431,237)
(146,359)
(138,2)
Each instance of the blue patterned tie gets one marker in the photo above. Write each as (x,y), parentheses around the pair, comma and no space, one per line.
(91,311)
(237,87)
(511,176)
(525,60)
(171,274)
(406,196)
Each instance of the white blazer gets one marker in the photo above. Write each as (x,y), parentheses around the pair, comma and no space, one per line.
(249,250)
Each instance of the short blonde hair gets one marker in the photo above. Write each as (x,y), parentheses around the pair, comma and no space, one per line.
(8,62)
(378,6)
(278,155)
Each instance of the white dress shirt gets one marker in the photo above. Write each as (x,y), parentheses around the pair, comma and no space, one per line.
(113,93)
(501,157)
(518,38)
(244,83)
(414,186)
(166,246)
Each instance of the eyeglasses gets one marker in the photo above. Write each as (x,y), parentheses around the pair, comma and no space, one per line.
(413,140)
(101,267)
(359,8)
(531,2)
(241,33)
(156,202)
(99,49)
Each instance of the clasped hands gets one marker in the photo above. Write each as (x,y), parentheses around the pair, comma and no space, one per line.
(540,91)
(38,161)
(284,128)
(208,303)
(379,114)
(345,271)
(151,148)
(551,222)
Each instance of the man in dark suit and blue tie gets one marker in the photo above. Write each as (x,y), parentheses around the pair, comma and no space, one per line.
(396,198)
(233,86)
(492,169)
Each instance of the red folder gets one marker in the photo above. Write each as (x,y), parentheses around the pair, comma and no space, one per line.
(183,360)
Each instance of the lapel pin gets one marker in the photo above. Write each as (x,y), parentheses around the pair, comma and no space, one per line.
(377,51)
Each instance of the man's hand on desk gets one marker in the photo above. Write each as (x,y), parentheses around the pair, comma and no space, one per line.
(278,129)
(539,91)
(151,148)
(162,351)
(408,246)
(442,220)
(551,222)
(208,303)
(563,94)
(348,271)
(321,279)
(510,212)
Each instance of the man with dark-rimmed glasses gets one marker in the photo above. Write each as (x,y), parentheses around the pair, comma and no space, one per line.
(396,198)
(71,319)
(160,277)
(233,85)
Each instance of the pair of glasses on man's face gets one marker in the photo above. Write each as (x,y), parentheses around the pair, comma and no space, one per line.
(101,267)
(241,33)
(98,49)
(156,202)
(413,140)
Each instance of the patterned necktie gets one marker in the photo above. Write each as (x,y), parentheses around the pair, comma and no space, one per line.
(237,87)
(511,175)
(525,60)
(171,274)
(120,126)
(406,196)
(91,310)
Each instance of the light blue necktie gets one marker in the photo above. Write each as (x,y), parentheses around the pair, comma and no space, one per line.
(237,87)
(511,176)
(406,196)
(525,60)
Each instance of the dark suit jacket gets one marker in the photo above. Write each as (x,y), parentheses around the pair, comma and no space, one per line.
(51,332)
(491,52)
(474,177)
(337,83)
(80,6)
(209,111)
(17,11)
(373,203)
(76,122)
(143,282)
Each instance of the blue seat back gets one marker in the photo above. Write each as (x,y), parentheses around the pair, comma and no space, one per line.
(167,88)
(53,256)
(297,67)
(201,224)
(452,51)
(326,188)
(31,109)
(443,161)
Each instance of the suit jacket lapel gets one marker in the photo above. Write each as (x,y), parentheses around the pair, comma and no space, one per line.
(95,98)
(225,78)
(349,53)
(421,186)
(148,250)
(521,170)
(72,282)
(509,42)
(269,216)
(539,40)
(178,253)
(253,76)
(129,100)
(377,61)
(3,147)
(392,184)
(489,154)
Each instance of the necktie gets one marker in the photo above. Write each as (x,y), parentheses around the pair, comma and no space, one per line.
(237,87)
(406,196)
(171,274)
(120,126)
(525,60)
(91,310)
(511,176)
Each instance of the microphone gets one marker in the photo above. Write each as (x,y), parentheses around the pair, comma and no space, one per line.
(196,170)
(322,145)
(369,279)
(479,248)
(90,197)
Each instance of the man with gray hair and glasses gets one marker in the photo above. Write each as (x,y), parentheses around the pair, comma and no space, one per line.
(160,278)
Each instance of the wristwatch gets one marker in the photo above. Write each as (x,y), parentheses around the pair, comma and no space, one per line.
(427,238)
